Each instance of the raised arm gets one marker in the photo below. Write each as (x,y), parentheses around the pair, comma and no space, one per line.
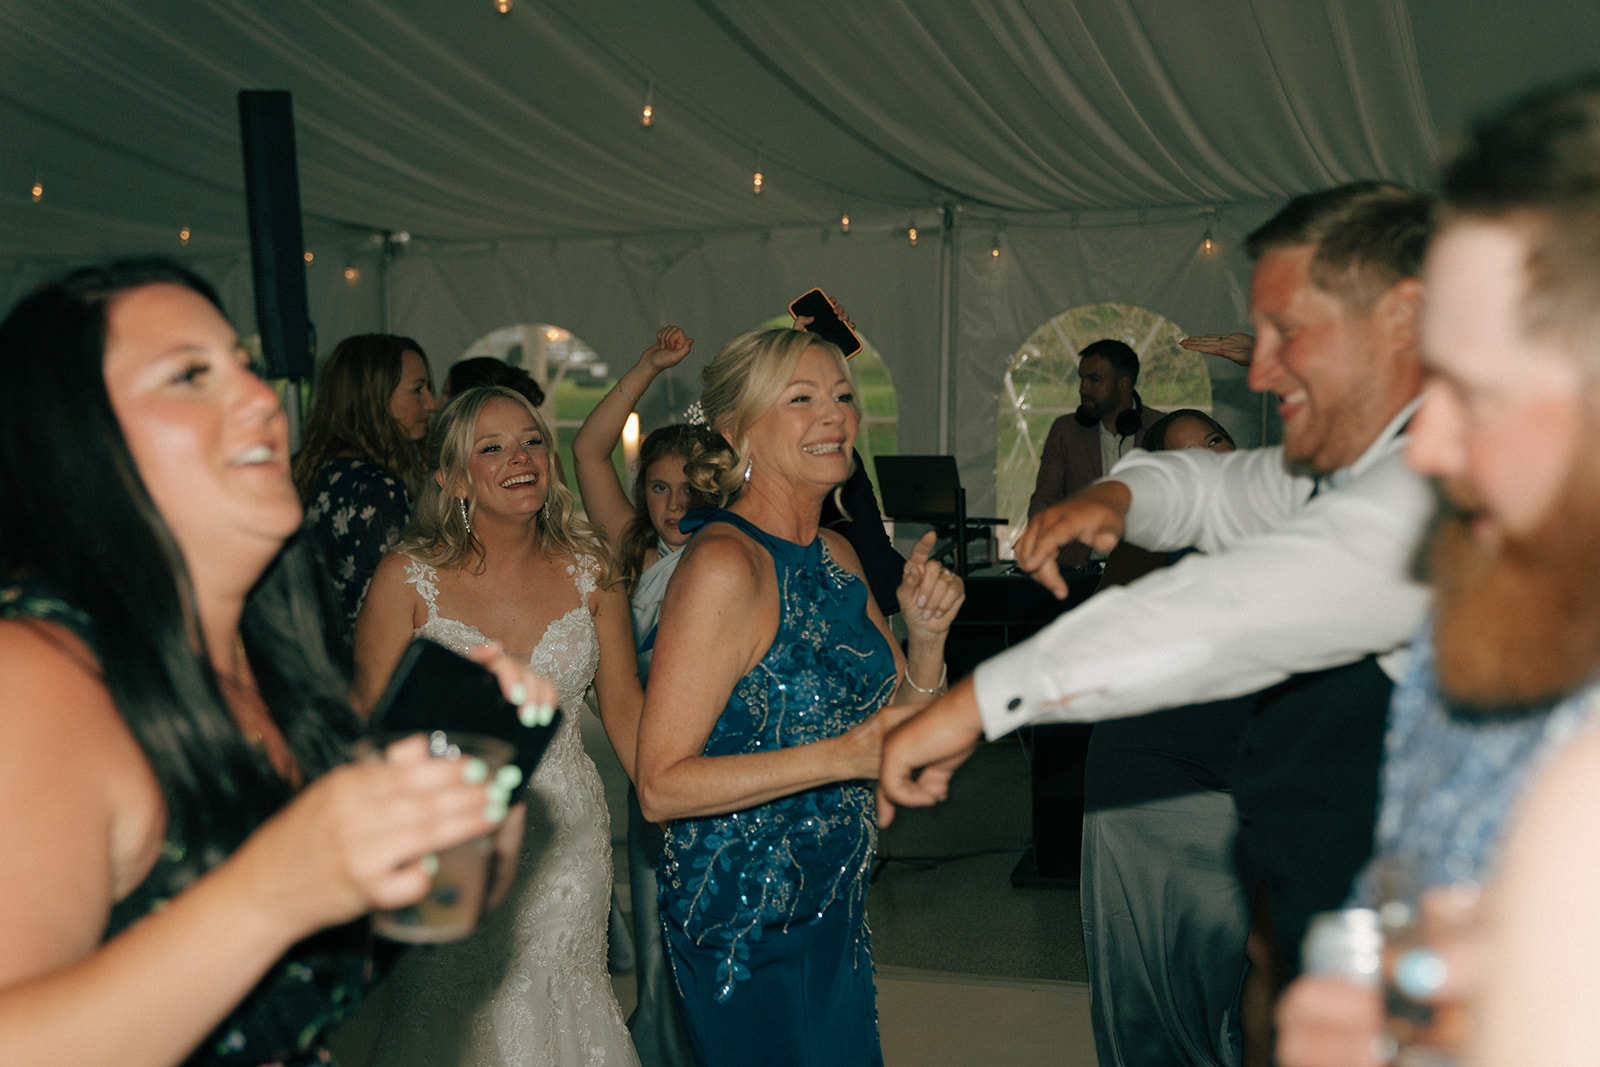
(604,498)
(1235,347)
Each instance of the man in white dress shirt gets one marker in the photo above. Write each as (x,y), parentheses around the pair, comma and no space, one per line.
(1303,582)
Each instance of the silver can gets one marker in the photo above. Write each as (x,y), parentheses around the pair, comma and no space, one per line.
(1346,944)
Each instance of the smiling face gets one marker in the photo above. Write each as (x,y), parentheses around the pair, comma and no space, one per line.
(412,402)
(667,496)
(805,439)
(1340,375)
(510,461)
(208,436)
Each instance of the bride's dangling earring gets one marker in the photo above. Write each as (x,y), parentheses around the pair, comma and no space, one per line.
(749,465)
(461,501)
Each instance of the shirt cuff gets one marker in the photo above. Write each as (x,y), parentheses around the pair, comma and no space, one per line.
(1009,691)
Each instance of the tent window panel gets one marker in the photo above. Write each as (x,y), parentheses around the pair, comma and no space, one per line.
(1041,385)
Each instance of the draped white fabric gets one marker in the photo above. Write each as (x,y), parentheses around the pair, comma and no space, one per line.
(1098,138)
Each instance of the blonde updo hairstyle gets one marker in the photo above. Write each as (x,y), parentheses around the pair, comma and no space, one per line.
(437,533)
(742,384)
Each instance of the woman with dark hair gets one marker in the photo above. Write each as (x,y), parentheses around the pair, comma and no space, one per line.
(360,463)
(774,681)
(496,551)
(186,848)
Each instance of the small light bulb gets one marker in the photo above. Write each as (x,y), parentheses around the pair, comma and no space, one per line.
(755,183)
(844,222)
(183,236)
(309,256)
(994,253)
(502,6)
(352,275)
(647,116)
(38,191)
(911,233)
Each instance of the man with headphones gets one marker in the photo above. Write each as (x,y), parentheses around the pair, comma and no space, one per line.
(1110,420)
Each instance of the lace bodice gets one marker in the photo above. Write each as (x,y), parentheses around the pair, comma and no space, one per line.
(529,987)
(567,654)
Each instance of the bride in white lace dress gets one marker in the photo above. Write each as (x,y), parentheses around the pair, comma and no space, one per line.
(496,553)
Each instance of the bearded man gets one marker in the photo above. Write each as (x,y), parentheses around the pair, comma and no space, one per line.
(1509,670)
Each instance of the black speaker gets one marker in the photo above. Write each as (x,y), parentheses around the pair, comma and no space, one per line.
(277,248)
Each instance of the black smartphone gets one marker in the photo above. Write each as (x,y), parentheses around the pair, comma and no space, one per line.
(825,322)
(434,688)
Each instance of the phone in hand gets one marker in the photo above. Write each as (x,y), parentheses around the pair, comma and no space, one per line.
(825,322)
(434,688)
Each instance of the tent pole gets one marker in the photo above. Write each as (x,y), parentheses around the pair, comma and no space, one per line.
(384,256)
(947,316)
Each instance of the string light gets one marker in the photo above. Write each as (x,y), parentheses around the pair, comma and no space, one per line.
(502,6)
(352,275)
(183,236)
(1206,242)
(911,233)
(38,191)
(309,256)
(648,115)
(994,246)
(757,179)
(844,223)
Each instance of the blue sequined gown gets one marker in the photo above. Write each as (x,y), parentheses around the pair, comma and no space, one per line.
(764,909)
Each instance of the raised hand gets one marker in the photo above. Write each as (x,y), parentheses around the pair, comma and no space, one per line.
(672,344)
(930,596)
(1231,346)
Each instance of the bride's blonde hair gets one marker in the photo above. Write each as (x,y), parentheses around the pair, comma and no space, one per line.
(438,531)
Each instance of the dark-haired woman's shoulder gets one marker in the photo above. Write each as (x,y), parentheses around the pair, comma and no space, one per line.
(81,813)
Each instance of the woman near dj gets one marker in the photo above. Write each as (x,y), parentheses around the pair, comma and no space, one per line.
(185,846)
(774,681)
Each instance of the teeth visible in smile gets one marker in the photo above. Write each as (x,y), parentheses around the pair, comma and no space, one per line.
(817,450)
(258,454)
(521,479)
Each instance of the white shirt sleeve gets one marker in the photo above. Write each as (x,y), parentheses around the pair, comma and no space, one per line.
(1299,587)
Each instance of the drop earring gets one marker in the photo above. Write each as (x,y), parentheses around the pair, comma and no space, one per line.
(461,502)
(748,466)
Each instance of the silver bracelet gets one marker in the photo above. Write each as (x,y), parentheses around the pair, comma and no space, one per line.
(625,393)
(936,690)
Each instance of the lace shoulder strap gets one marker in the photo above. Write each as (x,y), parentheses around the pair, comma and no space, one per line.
(585,571)
(426,579)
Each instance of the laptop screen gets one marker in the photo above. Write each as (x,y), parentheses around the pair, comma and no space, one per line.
(918,488)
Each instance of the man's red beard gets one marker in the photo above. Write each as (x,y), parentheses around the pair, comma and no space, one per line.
(1518,622)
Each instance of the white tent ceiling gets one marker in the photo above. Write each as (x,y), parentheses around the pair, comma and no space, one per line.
(1098,136)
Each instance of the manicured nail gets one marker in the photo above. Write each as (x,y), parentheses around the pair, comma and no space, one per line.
(536,714)
(1420,973)
(495,811)
(508,778)
(430,864)
(519,694)
(474,770)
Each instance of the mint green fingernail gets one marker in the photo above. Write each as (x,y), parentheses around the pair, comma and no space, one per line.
(536,714)
(430,864)
(508,778)
(496,810)
(519,694)
(474,770)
